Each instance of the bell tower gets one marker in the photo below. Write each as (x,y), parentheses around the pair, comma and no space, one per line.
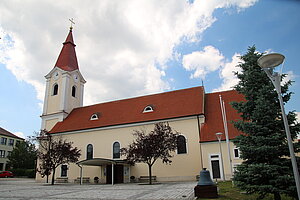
(64,86)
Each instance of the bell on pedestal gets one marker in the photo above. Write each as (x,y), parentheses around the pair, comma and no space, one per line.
(205,188)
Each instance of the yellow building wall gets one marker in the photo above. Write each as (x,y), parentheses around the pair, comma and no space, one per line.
(54,100)
(50,123)
(211,148)
(183,166)
(73,102)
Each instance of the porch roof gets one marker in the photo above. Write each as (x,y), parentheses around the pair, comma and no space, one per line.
(100,162)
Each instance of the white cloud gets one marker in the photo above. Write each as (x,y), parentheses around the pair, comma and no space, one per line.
(20,134)
(122,46)
(203,62)
(210,60)
(290,76)
(227,73)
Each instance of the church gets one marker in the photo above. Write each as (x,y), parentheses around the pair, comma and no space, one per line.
(101,130)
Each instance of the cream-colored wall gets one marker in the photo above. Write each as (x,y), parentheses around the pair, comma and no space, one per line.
(214,148)
(57,107)
(54,100)
(73,102)
(183,167)
(50,123)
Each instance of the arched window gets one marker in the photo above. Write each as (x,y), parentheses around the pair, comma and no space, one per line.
(181,144)
(74,91)
(116,150)
(55,89)
(89,152)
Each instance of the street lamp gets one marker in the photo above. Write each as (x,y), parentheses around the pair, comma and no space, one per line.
(219,136)
(268,63)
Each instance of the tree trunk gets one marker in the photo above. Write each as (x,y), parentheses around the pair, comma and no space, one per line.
(150,174)
(53,176)
(277,196)
(47,178)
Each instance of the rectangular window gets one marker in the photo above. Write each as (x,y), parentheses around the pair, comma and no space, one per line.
(2,154)
(64,171)
(11,142)
(8,153)
(3,140)
(236,153)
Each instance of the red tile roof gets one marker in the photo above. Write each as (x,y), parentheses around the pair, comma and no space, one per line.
(9,134)
(167,105)
(213,115)
(67,59)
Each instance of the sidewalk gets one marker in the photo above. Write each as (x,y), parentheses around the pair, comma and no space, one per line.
(13,189)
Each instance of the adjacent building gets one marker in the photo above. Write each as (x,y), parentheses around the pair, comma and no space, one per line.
(7,143)
(101,130)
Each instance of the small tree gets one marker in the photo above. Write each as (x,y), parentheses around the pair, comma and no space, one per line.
(264,149)
(54,151)
(23,156)
(147,148)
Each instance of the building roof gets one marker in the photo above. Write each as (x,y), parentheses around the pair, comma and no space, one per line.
(167,105)
(213,115)
(9,134)
(67,59)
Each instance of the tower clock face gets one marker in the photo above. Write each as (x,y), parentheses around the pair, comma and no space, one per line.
(56,75)
(75,77)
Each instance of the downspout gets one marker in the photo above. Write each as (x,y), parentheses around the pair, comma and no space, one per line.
(200,141)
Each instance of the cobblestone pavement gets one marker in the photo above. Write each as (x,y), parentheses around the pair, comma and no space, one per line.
(28,189)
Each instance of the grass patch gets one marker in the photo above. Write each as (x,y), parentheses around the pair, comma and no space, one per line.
(228,192)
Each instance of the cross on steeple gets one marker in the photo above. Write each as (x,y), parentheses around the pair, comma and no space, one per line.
(72,22)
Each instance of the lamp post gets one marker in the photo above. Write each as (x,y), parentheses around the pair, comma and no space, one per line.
(268,63)
(219,136)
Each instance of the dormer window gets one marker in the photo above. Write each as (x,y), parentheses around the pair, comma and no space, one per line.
(148,109)
(95,116)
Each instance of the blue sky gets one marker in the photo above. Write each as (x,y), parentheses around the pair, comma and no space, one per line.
(147,46)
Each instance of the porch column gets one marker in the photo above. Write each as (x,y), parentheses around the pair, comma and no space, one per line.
(112,173)
(80,181)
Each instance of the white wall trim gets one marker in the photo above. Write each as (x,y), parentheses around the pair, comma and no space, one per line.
(126,125)
(81,94)
(64,91)
(46,98)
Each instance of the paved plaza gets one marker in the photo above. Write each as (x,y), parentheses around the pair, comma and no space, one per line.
(28,189)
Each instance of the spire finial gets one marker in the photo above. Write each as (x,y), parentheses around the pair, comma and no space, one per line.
(72,22)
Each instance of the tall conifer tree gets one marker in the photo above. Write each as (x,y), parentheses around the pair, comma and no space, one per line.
(267,168)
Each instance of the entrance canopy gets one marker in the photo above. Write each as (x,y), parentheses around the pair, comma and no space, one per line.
(100,162)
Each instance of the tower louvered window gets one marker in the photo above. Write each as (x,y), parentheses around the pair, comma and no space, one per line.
(74,91)
(55,89)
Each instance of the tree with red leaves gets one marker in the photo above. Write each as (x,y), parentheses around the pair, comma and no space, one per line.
(147,148)
(54,151)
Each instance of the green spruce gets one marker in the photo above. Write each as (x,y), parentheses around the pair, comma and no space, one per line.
(267,168)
